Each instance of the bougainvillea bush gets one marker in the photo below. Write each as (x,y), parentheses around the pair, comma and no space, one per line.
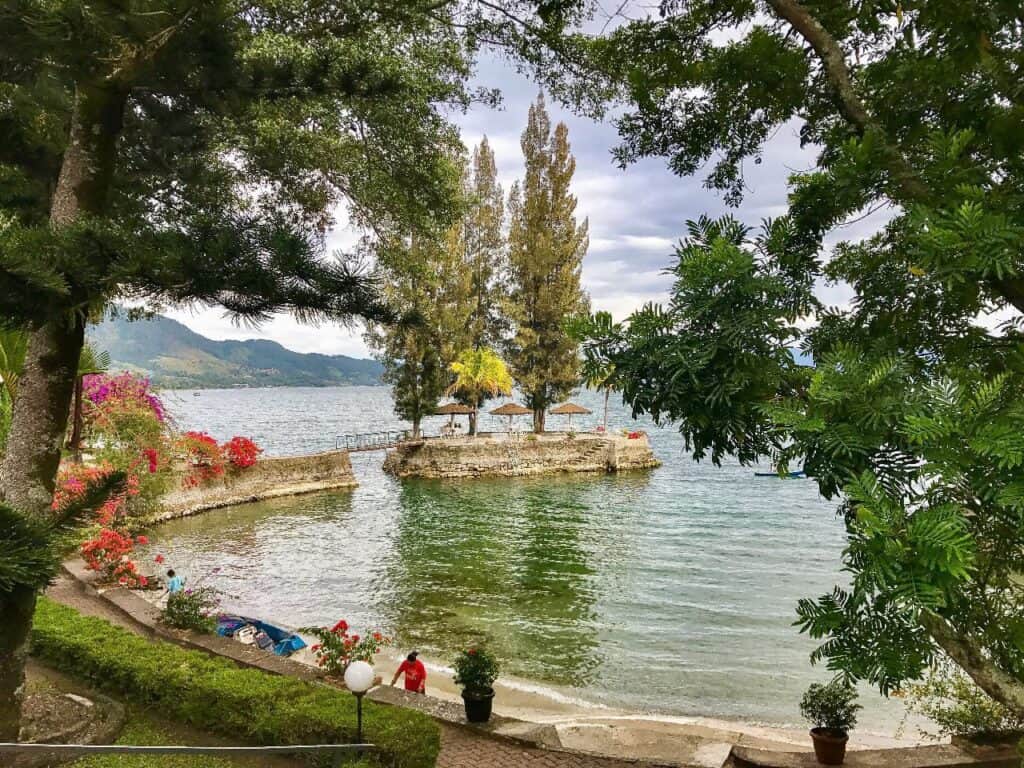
(338,648)
(203,456)
(125,426)
(109,553)
(241,452)
(74,479)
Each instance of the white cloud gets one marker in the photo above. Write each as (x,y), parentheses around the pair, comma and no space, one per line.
(636,215)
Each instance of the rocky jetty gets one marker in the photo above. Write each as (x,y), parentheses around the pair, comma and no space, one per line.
(512,455)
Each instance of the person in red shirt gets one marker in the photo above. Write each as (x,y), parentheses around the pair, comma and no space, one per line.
(415,674)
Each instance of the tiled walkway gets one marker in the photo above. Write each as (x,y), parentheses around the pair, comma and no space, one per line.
(460,748)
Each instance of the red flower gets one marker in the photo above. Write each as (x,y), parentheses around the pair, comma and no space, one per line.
(341,626)
(159,559)
(142,540)
(471,651)
(316,647)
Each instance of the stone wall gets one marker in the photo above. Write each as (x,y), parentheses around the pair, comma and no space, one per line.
(269,478)
(500,455)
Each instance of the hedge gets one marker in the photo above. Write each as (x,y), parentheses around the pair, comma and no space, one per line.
(216,695)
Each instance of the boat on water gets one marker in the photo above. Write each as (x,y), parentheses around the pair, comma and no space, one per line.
(798,473)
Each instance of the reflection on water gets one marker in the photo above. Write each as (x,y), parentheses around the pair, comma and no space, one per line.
(670,591)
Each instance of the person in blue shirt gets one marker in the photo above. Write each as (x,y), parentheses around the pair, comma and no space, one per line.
(174,582)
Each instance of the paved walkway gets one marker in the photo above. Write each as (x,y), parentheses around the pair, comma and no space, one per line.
(460,747)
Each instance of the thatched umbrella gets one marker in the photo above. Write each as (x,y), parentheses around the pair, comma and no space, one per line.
(453,410)
(570,410)
(510,410)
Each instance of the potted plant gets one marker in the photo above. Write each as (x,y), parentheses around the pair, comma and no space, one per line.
(476,670)
(832,710)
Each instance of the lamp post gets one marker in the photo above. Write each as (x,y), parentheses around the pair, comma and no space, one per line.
(359,679)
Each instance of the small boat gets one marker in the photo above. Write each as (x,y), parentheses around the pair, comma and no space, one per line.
(195,394)
(798,473)
(282,641)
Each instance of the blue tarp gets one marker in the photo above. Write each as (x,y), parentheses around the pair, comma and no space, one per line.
(285,642)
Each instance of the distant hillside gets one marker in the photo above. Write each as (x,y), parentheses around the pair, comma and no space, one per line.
(175,356)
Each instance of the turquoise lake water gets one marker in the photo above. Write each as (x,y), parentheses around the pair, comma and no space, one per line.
(671,591)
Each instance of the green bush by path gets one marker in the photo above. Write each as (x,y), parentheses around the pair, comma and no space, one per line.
(216,695)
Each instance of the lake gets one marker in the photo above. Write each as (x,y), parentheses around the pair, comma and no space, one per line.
(671,591)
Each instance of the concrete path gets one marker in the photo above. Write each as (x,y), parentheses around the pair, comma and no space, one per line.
(460,747)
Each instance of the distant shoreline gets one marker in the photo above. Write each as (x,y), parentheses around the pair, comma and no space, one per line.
(193,388)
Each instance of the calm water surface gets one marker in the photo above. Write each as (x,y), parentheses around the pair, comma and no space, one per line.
(670,591)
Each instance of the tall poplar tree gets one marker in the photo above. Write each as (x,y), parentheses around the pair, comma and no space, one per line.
(546,249)
(485,247)
(427,278)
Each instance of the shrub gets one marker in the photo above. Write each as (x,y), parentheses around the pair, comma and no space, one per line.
(192,609)
(476,670)
(337,648)
(109,553)
(242,452)
(214,694)
(831,706)
(959,707)
(205,458)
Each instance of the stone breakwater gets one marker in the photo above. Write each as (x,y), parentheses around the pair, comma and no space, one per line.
(501,455)
(269,478)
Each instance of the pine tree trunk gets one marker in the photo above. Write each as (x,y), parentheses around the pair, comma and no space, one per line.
(416,428)
(40,419)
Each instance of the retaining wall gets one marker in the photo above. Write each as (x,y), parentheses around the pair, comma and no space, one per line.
(502,455)
(269,478)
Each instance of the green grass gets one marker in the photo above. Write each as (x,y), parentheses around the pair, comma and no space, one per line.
(140,731)
(215,695)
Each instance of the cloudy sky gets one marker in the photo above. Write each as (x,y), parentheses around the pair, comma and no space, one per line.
(636,215)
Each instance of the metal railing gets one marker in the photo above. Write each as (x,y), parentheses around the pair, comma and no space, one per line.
(342,752)
(370,441)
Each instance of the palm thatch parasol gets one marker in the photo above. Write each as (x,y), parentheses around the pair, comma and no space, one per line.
(510,410)
(570,410)
(453,410)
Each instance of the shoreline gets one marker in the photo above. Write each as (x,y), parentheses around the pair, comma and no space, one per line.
(618,732)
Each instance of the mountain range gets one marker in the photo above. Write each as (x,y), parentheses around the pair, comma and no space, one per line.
(174,356)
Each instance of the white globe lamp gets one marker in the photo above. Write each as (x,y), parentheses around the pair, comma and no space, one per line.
(359,679)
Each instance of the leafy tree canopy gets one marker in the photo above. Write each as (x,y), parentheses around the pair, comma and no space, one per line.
(913,414)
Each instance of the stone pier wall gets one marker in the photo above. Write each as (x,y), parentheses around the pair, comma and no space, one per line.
(496,455)
(269,478)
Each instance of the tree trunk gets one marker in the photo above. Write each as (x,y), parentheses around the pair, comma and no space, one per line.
(969,656)
(16,608)
(75,444)
(416,428)
(40,419)
(472,422)
(607,394)
(538,420)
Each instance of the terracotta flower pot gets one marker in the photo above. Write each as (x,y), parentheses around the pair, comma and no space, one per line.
(829,745)
(478,705)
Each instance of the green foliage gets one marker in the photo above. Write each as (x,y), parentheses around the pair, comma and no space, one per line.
(546,249)
(29,556)
(479,374)
(915,405)
(143,732)
(216,695)
(948,698)
(192,609)
(476,669)
(833,706)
